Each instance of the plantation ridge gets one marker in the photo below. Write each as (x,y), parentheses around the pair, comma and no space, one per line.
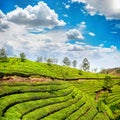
(65,93)
(14,66)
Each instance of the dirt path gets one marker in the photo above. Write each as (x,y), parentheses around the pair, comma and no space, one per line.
(24,79)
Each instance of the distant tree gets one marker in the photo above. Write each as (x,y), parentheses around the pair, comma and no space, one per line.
(3,55)
(74,63)
(22,56)
(49,61)
(66,61)
(39,59)
(85,64)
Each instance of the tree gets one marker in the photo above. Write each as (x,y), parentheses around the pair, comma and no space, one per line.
(85,64)
(49,61)
(22,56)
(74,63)
(3,55)
(39,59)
(66,61)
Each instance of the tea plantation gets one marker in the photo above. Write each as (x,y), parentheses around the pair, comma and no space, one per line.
(71,94)
(55,101)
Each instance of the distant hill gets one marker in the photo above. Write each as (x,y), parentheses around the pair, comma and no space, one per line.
(112,71)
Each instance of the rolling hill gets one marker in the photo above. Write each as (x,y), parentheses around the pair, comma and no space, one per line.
(14,66)
(112,71)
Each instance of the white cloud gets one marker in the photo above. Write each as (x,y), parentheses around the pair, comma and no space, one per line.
(66,6)
(82,26)
(3,23)
(2,15)
(65,15)
(74,34)
(109,8)
(38,15)
(92,34)
(117,26)
(99,57)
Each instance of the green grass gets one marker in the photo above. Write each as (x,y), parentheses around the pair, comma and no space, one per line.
(14,66)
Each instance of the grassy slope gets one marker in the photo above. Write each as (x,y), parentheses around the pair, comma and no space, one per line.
(15,67)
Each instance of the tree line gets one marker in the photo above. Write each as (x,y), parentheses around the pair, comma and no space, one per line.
(66,61)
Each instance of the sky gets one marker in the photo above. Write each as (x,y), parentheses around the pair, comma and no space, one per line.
(76,29)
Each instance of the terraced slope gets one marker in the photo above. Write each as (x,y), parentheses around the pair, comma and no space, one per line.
(113,101)
(46,101)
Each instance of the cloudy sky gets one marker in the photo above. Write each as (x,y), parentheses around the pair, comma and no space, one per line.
(59,28)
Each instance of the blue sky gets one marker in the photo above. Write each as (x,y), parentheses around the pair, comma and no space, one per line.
(72,28)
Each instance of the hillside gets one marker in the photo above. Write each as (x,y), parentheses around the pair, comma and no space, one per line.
(14,66)
(57,101)
(112,71)
(26,98)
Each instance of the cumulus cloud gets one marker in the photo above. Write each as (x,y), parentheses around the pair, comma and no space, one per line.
(3,23)
(74,34)
(38,15)
(18,37)
(92,34)
(99,56)
(109,8)
(48,44)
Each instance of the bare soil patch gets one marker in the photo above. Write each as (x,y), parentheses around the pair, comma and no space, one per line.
(24,79)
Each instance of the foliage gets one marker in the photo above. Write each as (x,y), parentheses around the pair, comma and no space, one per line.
(3,55)
(22,57)
(66,61)
(39,59)
(49,61)
(107,82)
(85,64)
(74,63)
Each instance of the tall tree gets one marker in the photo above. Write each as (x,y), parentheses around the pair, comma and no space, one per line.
(22,57)
(85,64)
(3,55)
(74,63)
(66,61)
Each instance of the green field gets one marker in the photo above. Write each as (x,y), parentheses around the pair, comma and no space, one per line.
(66,97)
